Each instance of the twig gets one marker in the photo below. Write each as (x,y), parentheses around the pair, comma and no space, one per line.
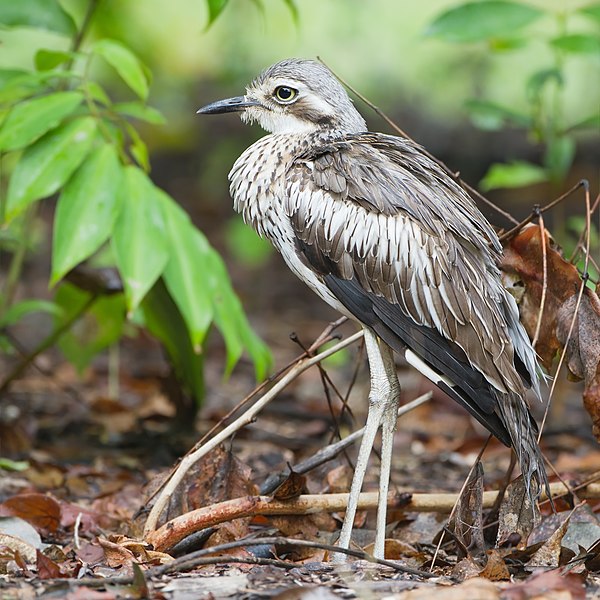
(76,542)
(537,211)
(190,459)
(397,129)
(186,563)
(326,382)
(323,337)
(583,233)
(577,305)
(329,452)
(538,325)
(178,528)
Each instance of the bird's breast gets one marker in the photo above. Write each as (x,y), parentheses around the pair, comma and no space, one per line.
(256,185)
(257,182)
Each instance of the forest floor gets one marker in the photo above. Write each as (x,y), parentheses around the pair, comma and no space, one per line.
(82,458)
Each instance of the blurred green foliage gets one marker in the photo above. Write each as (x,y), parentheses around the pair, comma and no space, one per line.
(501,25)
(63,133)
(73,79)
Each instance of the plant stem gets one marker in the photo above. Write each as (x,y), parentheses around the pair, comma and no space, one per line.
(85,25)
(16,263)
(47,343)
(113,371)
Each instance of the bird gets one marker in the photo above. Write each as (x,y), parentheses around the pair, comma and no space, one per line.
(382,233)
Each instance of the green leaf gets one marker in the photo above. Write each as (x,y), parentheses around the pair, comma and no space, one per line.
(17,311)
(293,8)
(578,43)
(536,83)
(215,8)
(97,329)
(138,148)
(22,84)
(592,11)
(125,63)
(139,240)
(13,465)
(140,111)
(41,14)
(45,60)
(231,320)
(479,21)
(164,321)
(245,244)
(492,117)
(29,120)
(505,44)
(45,166)
(512,175)
(186,274)
(86,211)
(97,93)
(16,85)
(559,157)
(591,122)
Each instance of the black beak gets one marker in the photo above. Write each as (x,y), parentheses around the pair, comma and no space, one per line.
(236,104)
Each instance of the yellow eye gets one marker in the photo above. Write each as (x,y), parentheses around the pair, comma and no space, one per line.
(285,94)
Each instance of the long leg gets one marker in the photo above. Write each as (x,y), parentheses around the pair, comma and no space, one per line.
(383,402)
(388,428)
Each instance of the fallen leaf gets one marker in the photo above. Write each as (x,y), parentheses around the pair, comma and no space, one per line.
(583,348)
(466,524)
(495,568)
(41,510)
(523,274)
(547,585)
(475,588)
(47,568)
(517,514)
(120,550)
(465,569)
(17,546)
(292,487)
(20,528)
(548,555)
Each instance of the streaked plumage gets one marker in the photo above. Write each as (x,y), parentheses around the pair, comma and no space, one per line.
(381,233)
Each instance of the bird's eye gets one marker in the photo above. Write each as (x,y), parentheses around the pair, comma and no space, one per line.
(285,94)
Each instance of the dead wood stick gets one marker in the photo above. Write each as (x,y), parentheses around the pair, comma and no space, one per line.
(177,529)
(192,458)
(332,450)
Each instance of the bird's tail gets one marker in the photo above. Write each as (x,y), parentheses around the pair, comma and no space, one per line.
(523,432)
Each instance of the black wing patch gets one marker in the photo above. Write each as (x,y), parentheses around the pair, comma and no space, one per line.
(470,390)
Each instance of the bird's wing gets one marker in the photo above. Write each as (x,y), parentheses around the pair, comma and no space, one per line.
(406,252)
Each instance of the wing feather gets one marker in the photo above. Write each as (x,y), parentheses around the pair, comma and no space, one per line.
(373,213)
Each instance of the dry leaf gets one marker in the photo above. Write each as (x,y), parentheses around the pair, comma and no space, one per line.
(495,568)
(583,349)
(548,585)
(476,588)
(517,514)
(466,524)
(523,274)
(218,476)
(292,487)
(41,510)
(549,553)
(47,568)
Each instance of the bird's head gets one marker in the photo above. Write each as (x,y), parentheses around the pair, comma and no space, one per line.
(294,96)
